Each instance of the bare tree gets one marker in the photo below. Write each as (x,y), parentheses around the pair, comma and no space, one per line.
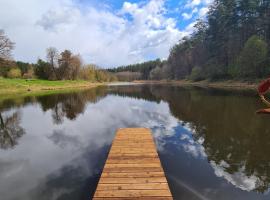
(69,65)
(6,46)
(75,65)
(52,58)
(10,130)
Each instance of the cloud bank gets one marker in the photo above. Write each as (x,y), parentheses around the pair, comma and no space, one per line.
(108,37)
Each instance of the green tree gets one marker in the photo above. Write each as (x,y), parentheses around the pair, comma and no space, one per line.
(23,66)
(252,56)
(42,69)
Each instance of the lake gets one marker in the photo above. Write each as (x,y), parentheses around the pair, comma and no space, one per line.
(211,143)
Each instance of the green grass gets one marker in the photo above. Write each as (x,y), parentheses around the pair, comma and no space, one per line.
(8,86)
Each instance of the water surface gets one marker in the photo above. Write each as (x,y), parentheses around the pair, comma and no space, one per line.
(211,143)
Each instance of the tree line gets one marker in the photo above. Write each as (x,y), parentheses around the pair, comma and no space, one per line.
(231,43)
(135,71)
(57,66)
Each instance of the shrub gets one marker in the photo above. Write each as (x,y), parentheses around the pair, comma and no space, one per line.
(88,73)
(29,74)
(14,73)
(196,74)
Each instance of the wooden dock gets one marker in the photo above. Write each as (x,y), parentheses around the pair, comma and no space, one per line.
(133,169)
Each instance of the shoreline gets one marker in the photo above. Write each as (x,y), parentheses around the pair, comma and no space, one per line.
(228,84)
(23,87)
(20,87)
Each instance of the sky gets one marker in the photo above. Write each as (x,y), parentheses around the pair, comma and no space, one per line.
(108,33)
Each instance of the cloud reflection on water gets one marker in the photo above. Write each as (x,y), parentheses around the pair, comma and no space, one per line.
(49,147)
(68,137)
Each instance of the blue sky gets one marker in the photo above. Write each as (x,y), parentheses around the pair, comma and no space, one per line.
(175,8)
(108,33)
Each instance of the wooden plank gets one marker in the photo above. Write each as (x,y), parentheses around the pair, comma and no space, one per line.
(132,174)
(133,193)
(120,165)
(127,161)
(132,198)
(138,186)
(133,180)
(133,169)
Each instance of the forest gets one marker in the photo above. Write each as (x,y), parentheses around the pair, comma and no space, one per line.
(232,42)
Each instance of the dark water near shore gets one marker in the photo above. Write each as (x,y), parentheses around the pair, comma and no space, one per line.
(211,143)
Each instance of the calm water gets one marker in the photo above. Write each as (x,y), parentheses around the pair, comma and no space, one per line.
(211,143)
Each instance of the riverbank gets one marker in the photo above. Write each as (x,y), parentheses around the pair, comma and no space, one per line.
(228,84)
(19,86)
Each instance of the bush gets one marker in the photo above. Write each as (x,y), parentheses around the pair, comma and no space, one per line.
(88,73)
(196,74)
(29,74)
(14,73)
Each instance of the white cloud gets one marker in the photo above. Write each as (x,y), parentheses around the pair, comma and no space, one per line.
(187,16)
(238,179)
(193,3)
(56,19)
(101,36)
(190,28)
(207,2)
(203,11)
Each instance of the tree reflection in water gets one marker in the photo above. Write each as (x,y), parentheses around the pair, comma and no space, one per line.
(222,126)
(70,105)
(66,105)
(10,130)
(235,140)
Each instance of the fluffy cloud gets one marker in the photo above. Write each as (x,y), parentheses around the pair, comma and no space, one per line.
(136,33)
(238,179)
(203,11)
(187,16)
(193,3)
(56,19)
(198,7)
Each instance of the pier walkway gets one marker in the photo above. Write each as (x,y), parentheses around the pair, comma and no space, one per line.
(133,169)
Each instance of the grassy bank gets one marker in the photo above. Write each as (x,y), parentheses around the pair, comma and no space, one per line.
(213,84)
(14,86)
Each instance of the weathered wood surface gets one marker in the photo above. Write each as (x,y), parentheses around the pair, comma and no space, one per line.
(133,169)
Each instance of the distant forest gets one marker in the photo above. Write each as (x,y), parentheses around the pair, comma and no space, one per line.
(233,42)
